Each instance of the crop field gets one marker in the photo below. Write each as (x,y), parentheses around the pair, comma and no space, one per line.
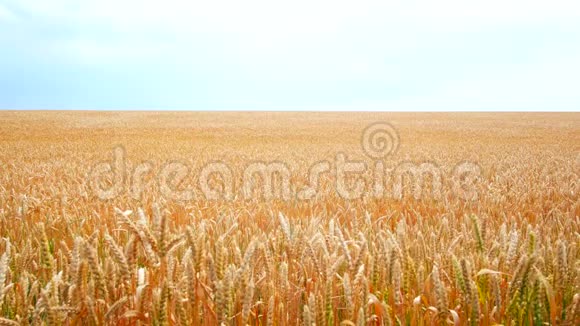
(183,218)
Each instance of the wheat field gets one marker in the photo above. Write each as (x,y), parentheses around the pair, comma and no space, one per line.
(506,254)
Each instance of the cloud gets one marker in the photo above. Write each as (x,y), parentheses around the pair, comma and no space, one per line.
(6,15)
(372,54)
(263,25)
(300,16)
(88,51)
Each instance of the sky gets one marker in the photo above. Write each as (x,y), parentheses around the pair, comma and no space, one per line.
(407,55)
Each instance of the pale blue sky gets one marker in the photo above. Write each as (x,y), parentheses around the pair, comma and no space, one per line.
(292,55)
